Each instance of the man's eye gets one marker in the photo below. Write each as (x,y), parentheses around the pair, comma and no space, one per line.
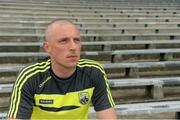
(77,40)
(63,41)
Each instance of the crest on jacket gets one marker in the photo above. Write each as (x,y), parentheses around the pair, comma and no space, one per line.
(83,98)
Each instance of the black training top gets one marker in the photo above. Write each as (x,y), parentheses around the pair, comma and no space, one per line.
(39,93)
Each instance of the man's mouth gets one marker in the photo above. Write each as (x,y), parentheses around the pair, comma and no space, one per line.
(72,56)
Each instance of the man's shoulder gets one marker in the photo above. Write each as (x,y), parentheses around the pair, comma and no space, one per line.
(87,63)
(37,65)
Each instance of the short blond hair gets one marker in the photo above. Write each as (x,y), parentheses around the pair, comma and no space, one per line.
(48,30)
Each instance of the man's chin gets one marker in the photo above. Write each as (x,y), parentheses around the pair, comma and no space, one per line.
(72,65)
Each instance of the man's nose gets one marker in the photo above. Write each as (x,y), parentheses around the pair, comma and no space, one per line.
(72,45)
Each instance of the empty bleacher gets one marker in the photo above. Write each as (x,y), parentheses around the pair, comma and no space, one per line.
(137,42)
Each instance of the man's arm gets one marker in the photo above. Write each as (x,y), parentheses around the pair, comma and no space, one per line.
(12,119)
(109,113)
(23,109)
(102,99)
(22,99)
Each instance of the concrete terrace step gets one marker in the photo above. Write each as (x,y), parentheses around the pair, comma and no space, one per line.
(164,64)
(83,30)
(99,53)
(90,16)
(93,35)
(148,108)
(124,69)
(54,3)
(91,6)
(86,28)
(111,56)
(93,19)
(92,24)
(120,83)
(90,2)
(102,43)
(95,12)
(83,8)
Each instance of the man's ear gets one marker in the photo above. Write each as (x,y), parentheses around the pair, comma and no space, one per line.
(46,46)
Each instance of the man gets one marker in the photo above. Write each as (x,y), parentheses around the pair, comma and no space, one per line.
(62,86)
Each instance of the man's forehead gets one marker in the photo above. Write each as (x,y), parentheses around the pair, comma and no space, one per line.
(61,27)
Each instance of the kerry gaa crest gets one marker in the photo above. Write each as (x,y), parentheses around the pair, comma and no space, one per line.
(83,98)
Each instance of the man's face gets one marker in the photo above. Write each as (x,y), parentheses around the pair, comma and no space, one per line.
(64,45)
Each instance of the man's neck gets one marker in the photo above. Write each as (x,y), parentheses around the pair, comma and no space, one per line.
(63,72)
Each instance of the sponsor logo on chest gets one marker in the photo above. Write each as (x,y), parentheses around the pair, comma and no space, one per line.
(46,101)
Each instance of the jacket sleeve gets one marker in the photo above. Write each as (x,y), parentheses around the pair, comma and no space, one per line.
(102,98)
(21,101)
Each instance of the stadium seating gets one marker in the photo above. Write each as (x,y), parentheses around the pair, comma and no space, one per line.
(137,42)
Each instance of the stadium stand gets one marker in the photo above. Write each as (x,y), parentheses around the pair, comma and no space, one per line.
(137,41)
